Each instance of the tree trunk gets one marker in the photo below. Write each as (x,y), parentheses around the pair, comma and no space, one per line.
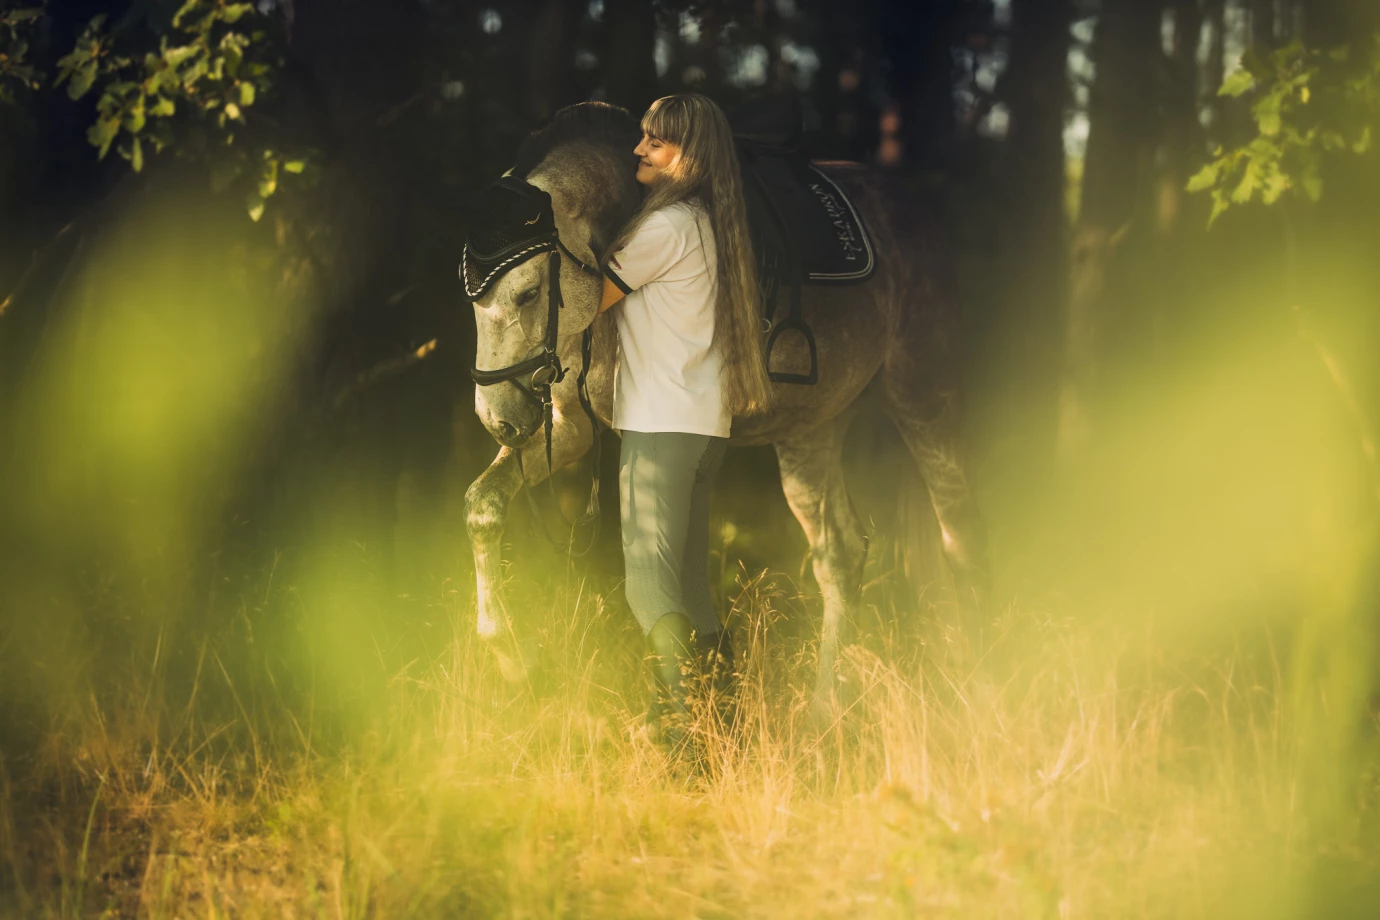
(1116,166)
(1262,25)
(551,58)
(1036,90)
(1215,12)
(1184,150)
(630,78)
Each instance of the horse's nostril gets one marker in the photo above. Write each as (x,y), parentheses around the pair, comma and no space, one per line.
(506,431)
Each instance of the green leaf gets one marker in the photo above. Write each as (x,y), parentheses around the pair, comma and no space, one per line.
(1250,178)
(186,10)
(175,57)
(103,133)
(232,110)
(1219,206)
(1205,178)
(194,73)
(1267,114)
(246,94)
(232,13)
(1275,186)
(82,78)
(136,156)
(134,119)
(1363,142)
(255,206)
(268,181)
(163,107)
(294,166)
(1237,83)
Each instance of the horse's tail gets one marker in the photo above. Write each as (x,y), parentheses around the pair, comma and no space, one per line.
(919,546)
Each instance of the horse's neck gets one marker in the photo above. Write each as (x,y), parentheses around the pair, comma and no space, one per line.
(603,358)
(586,191)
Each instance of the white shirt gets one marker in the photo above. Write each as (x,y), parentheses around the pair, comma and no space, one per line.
(668,374)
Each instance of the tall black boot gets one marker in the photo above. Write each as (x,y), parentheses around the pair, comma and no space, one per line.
(671,647)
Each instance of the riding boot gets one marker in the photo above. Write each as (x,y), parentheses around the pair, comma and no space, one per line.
(671,652)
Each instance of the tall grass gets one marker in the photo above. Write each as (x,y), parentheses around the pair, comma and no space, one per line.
(1063,775)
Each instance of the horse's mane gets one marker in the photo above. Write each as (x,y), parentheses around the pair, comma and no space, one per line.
(585,122)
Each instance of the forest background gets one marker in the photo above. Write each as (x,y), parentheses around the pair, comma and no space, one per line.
(236,427)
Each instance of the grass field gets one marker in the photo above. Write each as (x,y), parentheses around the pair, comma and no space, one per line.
(1072,772)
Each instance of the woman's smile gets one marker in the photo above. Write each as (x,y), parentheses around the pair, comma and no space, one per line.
(655,158)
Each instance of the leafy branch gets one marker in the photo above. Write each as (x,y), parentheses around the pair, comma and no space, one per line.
(15,70)
(193,93)
(1306,103)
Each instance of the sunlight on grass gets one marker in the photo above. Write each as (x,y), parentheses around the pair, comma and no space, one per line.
(1062,777)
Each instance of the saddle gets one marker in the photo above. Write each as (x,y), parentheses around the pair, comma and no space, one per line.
(804,228)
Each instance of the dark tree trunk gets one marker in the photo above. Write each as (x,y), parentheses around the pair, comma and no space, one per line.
(1183,151)
(1215,13)
(1262,34)
(630,73)
(1036,90)
(918,39)
(551,58)
(1115,173)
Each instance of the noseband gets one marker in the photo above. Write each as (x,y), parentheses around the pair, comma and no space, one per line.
(505,235)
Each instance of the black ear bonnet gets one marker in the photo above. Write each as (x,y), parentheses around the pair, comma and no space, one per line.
(511,221)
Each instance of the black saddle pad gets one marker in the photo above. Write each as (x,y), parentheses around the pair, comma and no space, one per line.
(804,227)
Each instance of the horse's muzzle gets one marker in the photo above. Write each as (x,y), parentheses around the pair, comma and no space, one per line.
(510,435)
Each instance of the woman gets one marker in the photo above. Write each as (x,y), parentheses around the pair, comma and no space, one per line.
(689,360)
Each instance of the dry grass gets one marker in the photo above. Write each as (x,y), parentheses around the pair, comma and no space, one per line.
(1063,776)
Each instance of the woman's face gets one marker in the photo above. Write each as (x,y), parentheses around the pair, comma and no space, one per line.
(655,159)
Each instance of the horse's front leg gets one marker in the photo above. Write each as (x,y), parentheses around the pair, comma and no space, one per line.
(486,512)
(487,502)
(812,478)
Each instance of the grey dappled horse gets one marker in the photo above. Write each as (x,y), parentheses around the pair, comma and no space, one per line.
(898,329)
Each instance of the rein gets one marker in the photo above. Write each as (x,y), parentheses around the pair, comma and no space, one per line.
(545,366)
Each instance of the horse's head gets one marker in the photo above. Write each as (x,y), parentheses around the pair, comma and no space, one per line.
(527,260)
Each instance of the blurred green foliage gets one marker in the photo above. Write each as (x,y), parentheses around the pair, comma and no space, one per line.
(1305,103)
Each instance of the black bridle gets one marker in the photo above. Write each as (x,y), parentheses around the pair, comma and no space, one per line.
(479,269)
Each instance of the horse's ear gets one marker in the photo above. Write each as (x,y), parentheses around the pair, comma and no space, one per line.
(508,173)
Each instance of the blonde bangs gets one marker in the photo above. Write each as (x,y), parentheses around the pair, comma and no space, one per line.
(667,120)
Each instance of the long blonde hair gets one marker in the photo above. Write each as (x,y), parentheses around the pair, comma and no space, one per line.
(706,171)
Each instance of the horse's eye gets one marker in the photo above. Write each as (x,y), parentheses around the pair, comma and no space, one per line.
(528,296)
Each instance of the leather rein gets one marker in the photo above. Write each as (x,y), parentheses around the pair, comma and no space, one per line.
(545,370)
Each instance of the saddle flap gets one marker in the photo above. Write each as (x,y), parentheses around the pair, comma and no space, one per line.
(804,225)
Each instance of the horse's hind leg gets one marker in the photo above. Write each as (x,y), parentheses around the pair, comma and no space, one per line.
(812,478)
(927,412)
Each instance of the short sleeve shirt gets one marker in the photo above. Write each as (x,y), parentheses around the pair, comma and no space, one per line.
(668,372)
